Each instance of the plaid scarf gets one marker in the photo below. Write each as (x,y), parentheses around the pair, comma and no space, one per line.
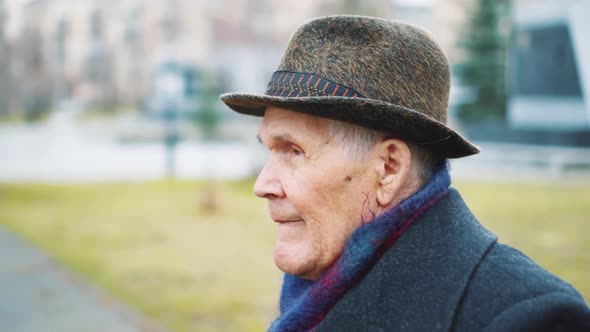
(304,303)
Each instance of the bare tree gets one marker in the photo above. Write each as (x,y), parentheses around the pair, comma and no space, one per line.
(5,75)
(31,74)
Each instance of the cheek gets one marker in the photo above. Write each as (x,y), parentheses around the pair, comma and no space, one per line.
(334,207)
(331,205)
(324,194)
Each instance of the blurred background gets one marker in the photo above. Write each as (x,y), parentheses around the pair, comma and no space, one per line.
(118,160)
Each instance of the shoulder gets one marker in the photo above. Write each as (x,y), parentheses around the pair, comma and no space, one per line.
(416,285)
(510,292)
(447,272)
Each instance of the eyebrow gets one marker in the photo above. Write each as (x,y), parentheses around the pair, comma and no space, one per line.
(285,137)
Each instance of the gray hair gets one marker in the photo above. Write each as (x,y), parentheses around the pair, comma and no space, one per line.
(356,141)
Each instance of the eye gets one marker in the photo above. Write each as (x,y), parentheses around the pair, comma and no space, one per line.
(296,151)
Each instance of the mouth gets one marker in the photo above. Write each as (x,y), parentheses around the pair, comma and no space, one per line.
(290,231)
(282,221)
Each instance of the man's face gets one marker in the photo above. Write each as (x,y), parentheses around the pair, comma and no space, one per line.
(316,195)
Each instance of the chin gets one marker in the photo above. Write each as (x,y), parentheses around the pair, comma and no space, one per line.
(295,261)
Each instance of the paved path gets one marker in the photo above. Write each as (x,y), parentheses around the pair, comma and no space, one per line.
(61,150)
(39,295)
(64,150)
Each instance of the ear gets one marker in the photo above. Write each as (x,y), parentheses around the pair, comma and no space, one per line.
(395,168)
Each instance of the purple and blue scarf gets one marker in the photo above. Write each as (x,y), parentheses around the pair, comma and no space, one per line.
(304,303)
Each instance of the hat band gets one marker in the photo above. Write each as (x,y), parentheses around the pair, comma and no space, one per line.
(293,84)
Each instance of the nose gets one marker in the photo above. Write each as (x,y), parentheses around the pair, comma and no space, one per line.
(268,184)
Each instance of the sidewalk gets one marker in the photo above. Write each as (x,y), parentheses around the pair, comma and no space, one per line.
(39,295)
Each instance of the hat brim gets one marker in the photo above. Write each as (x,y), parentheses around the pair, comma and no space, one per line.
(375,114)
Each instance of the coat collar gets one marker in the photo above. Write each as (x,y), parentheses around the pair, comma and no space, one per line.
(304,303)
(420,281)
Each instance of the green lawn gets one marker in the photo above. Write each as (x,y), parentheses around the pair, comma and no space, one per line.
(153,246)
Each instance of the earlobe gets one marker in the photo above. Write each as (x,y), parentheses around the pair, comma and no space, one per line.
(388,188)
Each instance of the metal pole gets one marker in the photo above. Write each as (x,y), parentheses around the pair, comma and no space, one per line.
(171,139)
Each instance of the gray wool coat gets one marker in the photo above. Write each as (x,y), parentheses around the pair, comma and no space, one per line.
(448,273)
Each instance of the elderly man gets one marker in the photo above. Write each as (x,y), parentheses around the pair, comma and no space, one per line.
(370,236)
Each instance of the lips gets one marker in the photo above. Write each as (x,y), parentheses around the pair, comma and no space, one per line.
(286,221)
(291,233)
(280,216)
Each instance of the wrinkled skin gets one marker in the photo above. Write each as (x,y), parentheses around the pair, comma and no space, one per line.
(315,194)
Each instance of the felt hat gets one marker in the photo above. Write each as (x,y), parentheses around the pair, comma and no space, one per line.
(380,74)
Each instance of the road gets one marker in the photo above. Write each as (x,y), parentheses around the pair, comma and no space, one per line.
(39,295)
(65,150)
(62,150)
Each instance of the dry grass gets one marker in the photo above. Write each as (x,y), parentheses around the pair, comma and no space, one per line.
(153,246)
(548,222)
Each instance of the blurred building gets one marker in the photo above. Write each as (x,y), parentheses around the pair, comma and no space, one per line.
(105,51)
(550,65)
(108,54)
